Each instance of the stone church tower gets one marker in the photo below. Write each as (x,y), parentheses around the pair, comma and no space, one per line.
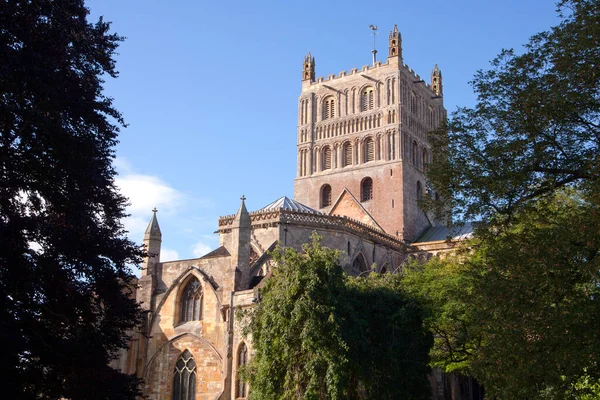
(362,142)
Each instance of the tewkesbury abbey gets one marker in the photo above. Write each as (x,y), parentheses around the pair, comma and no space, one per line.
(362,157)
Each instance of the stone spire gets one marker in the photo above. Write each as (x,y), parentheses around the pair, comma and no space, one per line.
(395,45)
(153,230)
(240,247)
(436,80)
(308,68)
(152,241)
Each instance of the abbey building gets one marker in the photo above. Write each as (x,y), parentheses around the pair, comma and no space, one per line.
(362,157)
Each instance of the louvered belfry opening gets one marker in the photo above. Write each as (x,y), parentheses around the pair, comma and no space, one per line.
(329,108)
(369,150)
(347,154)
(184,377)
(326,158)
(367,99)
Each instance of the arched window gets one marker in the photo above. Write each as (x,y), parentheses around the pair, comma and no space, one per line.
(329,108)
(369,150)
(425,160)
(326,158)
(359,264)
(191,301)
(419,191)
(325,196)
(367,99)
(347,160)
(415,148)
(366,189)
(184,377)
(242,386)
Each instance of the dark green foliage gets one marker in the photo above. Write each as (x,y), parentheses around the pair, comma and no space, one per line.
(536,301)
(536,125)
(525,160)
(64,280)
(318,334)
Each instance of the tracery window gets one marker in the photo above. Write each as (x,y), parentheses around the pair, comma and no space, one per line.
(191,301)
(367,99)
(329,108)
(325,196)
(184,377)
(242,386)
(326,158)
(366,189)
(347,152)
(369,149)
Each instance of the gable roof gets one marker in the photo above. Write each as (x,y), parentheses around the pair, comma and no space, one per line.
(285,203)
(360,212)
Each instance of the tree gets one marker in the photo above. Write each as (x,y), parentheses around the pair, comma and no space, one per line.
(65,283)
(536,125)
(525,160)
(318,334)
(535,301)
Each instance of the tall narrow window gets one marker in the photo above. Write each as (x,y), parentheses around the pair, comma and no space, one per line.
(367,99)
(242,386)
(425,160)
(369,149)
(366,189)
(347,154)
(328,108)
(414,153)
(325,196)
(419,191)
(191,301)
(326,155)
(184,377)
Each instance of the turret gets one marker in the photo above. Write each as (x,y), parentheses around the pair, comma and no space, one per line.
(308,69)
(240,247)
(152,241)
(436,80)
(395,45)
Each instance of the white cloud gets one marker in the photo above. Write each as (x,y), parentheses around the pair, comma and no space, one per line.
(168,255)
(200,249)
(144,193)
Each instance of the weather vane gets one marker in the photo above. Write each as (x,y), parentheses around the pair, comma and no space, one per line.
(374,33)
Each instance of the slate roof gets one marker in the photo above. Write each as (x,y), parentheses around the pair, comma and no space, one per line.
(285,203)
(442,232)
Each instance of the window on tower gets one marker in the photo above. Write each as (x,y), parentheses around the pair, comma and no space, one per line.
(328,108)
(325,196)
(366,189)
(347,151)
(326,158)
(367,99)
(369,149)
(415,149)
(425,160)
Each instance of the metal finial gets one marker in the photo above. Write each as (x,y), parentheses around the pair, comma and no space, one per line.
(154,210)
(374,51)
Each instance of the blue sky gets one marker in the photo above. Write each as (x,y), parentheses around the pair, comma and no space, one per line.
(210,89)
